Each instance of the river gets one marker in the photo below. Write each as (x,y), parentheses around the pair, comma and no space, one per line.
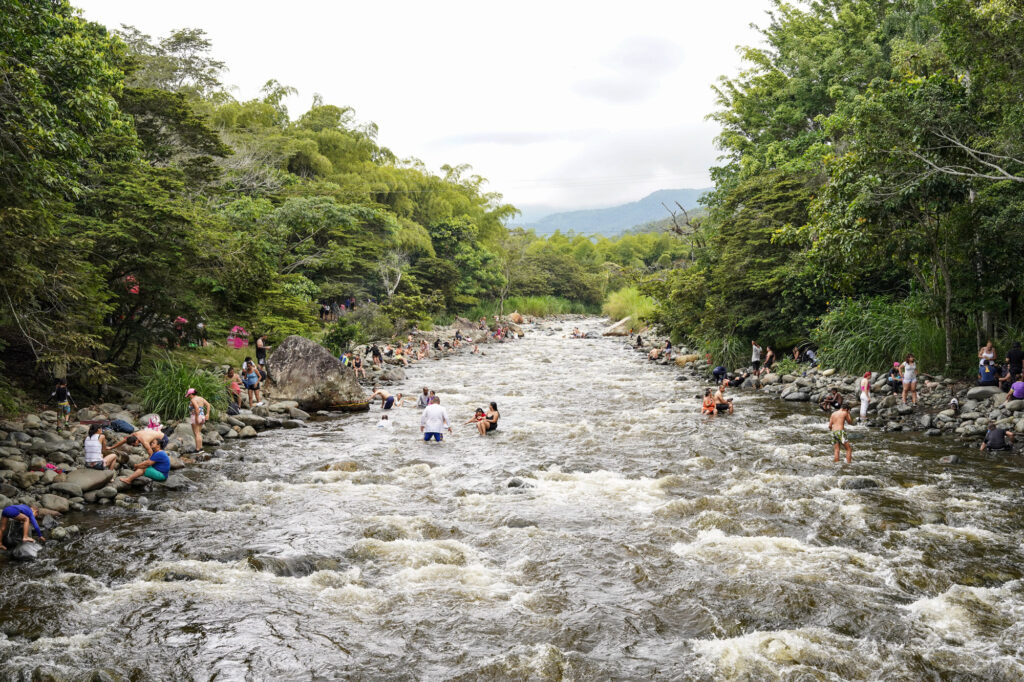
(647,542)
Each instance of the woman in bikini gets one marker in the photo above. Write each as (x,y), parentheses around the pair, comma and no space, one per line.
(198,411)
(490,421)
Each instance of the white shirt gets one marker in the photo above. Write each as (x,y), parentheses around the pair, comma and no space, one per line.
(755,354)
(434,419)
(93,449)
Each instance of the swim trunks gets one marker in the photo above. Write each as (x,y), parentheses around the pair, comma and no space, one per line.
(839,438)
(153,474)
(389,402)
(432,434)
(722,407)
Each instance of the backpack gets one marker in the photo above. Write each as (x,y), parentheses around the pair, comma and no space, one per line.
(121,426)
(233,409)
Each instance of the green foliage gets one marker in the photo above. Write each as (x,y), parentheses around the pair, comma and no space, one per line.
(341,335)
(787,365)
(869,334)
(629,302)
(534,306)
(166,381)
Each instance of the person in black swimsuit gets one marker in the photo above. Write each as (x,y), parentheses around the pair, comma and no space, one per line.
(490,421)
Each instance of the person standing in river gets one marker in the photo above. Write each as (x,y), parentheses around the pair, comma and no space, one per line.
(837,428)
(865,395)
(755,356)
(198,412)
(434,420)
(424,399)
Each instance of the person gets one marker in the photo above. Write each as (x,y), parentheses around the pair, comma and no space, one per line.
(63,396)
(987,352)
(400,354)
(234,386)
(986,374)
(719,374)
(424,399)
(707,406)
(721,404)
(769,360)
(261,356)
(387,401)
(812,357)
(477,416)
(357,366)
(1005,377)
(737,380)
(199,411)
(895,379)
(96,450)
(909,371)
(1016,390)
(832,400)
(437,343)
(384,423)
(865,395)
(796,354)
(204,340)
(490,421)
(375,355)
(150,439)
(755,356)
(954,404)
(476,349)
(1015,360)
(251,372)
(639,341)
(23,513)
(156,468)
(837,426)
(997,438)
(434,420)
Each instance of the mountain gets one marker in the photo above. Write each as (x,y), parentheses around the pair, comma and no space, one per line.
(615,220)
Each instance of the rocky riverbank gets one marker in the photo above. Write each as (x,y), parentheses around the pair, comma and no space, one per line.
(933,415)
(42,462)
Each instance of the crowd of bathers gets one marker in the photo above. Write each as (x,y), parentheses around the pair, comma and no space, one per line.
(434,421)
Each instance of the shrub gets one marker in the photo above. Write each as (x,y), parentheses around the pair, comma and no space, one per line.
(166,381)
(628,302)
(340,335)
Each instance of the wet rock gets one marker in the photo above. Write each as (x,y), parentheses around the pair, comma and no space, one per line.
(58,534)
(26,551)
(67,489)
(252,420)
(904,409)
(516,522)
(770,379)
(347,465)
(235,421)
(55,502)
(796,396)
(951,459)
(177,482)
(32,421)
(519,483)
(247,432)
(1014,405)
(107,492)
(310,375)
(282,405)
(260,411)
(293,424)
(858,483)
(296,413)
(933,432)
(274,423)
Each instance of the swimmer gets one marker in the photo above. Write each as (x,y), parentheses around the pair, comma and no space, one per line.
(837,426)
(490,421)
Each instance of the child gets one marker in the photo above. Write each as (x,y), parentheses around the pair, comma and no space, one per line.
(708,404)
(384,423)
(63,396)
(23,513)
(477,416)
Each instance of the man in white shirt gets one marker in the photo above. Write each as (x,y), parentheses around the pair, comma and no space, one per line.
(433,420)
(755,356)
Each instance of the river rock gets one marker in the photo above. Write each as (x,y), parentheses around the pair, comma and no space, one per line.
(67,489)
(620,328)
(311,376)
(296,413)
(27,479)
(26,551)
(247,432)
(292,423)
(796,396)
(770,379)
(858,483)
(253,420)
(54,502)
(933,432)
(282,405)
(14,464)
(177,482)
(982,392)
(1014,405)
(904,409)
(391,375)
(107,492)
(950,459)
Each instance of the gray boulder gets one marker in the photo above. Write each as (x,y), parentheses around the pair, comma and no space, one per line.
(982,392)
(950,459)
(858,483)
(1014,405)
(66,489)
(54,502)
(296,413)
(247,432)
(796,396)
(309,374)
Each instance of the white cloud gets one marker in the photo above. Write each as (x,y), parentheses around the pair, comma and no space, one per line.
(569,104)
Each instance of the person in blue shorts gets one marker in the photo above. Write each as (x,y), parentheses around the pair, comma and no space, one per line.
(434,420)
(387,401)
(23,513)
(156,468)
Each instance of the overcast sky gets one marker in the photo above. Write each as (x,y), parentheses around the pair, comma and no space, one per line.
(558,104)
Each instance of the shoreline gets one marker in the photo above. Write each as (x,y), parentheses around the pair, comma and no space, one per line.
(42,463)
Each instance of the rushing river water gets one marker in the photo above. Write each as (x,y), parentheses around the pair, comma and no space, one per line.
(647,543)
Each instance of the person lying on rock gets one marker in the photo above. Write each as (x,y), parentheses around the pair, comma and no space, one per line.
(156,468)
(150,439)
(23,513)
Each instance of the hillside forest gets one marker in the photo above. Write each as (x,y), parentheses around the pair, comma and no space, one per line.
(869,201)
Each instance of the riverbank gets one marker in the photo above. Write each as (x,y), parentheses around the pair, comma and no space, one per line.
(933,415)
(42,462)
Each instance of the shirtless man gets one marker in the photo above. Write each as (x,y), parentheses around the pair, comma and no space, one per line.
(837,426)
(387,401)
(721,404)
(151,439)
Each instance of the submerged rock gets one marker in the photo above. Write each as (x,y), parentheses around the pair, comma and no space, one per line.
(950,459)
(858,483)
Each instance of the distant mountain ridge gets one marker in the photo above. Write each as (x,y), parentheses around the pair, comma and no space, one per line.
(615,220)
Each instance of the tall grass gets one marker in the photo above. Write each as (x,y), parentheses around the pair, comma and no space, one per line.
(534,306)
(861,335)
(727,350)
(628,302)
(165,383)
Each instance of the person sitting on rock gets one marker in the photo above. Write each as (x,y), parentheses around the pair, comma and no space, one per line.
(997,438)
(156,468)
(987,374)
(23,513)
(357,366)
(895,380)
(1005,378)
(832,400)
(96,450)
(1016,390)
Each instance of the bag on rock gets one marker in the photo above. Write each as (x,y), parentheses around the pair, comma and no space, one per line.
(121,426)
(233,409)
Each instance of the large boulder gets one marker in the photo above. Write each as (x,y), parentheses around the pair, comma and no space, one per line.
(983,392)
(307,373)
(54,502)
(90,479)
(516,318)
